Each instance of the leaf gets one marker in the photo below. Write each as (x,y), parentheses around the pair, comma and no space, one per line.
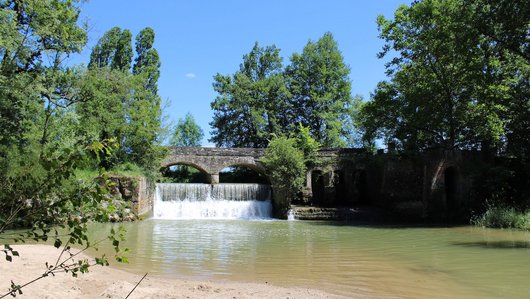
(9,258)
(57,243)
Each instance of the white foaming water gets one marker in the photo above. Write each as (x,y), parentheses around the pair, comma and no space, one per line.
(204,201)
(290,215)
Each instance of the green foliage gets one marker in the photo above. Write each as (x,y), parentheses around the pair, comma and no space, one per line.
(122,102)
(251,104)
(187,132)
(55,120)
(148,61)
(503,217)
(113,50)
(184,174)
(353,125)
(456,78)
(286,165)
(263,98)
(320,90)
(42,195)
(308,145)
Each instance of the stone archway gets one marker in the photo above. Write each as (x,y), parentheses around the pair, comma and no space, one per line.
(205,177)
(244,173)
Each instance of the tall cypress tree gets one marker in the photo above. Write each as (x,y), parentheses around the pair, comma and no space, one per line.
(144,106)
(114,50)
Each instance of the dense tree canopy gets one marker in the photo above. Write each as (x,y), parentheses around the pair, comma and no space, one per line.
(263,98)
(36,36)
(55,119)
(320,90)
(286,166)
(40,147)
(113,49)
(455,76)
(252,103)
(121,99)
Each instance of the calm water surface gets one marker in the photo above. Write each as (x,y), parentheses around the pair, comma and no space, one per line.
(461,262)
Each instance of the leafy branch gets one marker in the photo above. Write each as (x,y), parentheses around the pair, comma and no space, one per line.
(67,261)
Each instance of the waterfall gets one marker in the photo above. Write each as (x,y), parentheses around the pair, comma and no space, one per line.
(220,201)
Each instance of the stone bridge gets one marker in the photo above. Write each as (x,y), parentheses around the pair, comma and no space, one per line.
(430,184)
(212,160)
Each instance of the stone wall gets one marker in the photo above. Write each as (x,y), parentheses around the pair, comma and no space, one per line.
(135,190)
(436,184)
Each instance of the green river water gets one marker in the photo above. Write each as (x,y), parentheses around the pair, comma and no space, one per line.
(378,261)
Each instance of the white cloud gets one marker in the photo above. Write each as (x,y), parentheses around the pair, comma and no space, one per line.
(191,75)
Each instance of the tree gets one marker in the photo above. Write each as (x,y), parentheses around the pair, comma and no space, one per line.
(102,112)
(308,145)
(187,132)
(114,50)
(127,107)
(148,61)
(504,23)
(143,142)
(286,167)
(320,90)
(39,150)
(31,30)
(251,104)
(444,89)
(353,125)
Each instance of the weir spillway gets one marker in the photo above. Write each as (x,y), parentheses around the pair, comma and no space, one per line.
(218,201)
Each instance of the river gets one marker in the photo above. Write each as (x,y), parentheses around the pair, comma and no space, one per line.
(379,261)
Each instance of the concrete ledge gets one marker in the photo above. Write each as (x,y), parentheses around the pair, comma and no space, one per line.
(363,214)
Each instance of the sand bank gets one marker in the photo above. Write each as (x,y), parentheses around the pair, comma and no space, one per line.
(108,282)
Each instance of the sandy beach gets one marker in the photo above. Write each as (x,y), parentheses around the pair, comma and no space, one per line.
(108,282)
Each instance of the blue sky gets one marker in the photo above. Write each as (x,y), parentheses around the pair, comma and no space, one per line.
(197,39)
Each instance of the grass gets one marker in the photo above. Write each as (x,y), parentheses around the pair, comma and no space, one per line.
(504,217)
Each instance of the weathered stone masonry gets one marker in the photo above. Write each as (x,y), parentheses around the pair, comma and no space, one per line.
(212,160)
(435,184)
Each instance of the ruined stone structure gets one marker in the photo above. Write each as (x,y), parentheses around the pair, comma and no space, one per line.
(435,184)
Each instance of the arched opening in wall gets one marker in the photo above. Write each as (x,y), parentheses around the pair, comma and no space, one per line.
(317,186)
(341,193)
(451,190)
(184,173)
(361,186)
(329,188)
(242,174)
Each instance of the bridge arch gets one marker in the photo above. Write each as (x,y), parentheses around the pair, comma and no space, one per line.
(257,167)
(244,173)
(196,166)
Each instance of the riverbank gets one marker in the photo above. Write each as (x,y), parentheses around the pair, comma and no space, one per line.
(108,282)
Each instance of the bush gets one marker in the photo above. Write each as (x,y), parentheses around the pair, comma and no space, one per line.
(285,164)
(503,217)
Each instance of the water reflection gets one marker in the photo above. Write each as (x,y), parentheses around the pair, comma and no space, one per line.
(496,244)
